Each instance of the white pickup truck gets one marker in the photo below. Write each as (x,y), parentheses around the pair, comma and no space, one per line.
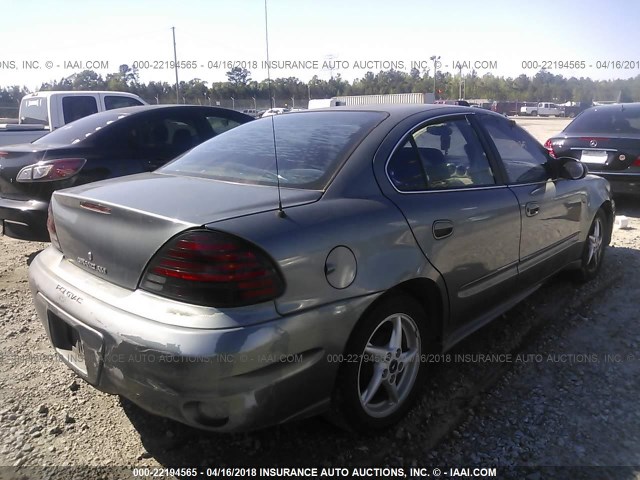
(43,112)
(544,109)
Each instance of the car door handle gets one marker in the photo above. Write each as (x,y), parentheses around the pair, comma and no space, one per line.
(442,229)
(532,209)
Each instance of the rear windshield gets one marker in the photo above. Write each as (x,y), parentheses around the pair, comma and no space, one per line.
(311,147)
(34,110)
(606,120)
(81,129)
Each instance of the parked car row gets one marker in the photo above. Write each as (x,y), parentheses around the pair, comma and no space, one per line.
(607,139)
(46,111)
(543,109)
(104,145)
(241,279)
(270,111)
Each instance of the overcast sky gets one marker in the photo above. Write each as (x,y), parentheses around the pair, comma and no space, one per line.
(494,36)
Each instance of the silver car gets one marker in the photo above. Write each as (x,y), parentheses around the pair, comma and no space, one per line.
(309,262)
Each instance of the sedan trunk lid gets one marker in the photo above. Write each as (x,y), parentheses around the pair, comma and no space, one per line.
(601,151)
(95,222)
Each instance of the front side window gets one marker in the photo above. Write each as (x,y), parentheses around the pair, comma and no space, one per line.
(440,155)
(221,124)
(523,157)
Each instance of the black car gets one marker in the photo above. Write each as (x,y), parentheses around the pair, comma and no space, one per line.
(607,139)
(104,145)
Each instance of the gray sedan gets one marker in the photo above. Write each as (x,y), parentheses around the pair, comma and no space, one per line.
(309,262)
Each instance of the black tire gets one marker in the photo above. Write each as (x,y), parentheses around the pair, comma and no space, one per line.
(594,248)
(374,369)
(534,113)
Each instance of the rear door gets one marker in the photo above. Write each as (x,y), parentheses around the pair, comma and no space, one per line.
(466,222)
(550,210)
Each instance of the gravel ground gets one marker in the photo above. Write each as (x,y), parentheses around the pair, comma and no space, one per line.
(554,382)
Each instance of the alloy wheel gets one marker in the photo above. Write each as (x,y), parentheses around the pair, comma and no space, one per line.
(389,365)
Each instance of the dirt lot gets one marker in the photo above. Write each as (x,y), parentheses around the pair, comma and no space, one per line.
(554,382)
(542,127)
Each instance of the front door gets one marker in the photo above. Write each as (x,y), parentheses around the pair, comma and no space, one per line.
(550,209)
(466,223)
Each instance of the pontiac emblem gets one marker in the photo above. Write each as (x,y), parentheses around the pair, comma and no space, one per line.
(593,143)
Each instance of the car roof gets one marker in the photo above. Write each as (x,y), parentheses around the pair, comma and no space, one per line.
(398,111)
(616,106)
(142,109)
(48,93)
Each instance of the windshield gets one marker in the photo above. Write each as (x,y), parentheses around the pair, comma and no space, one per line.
(81,129)
(310,147)
(610,120)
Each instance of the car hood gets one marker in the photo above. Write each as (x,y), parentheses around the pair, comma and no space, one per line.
(113,228)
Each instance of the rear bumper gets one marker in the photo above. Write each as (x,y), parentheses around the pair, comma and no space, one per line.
(623,182)
(25,219)
(221,379)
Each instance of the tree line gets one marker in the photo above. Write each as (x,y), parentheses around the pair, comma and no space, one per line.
(241,91)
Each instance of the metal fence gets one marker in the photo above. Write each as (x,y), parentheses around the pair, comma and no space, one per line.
(246,104)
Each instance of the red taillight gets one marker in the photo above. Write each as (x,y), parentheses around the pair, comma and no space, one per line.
(51,226)
(549,146)
(50,170)
(213,269)
(636,163)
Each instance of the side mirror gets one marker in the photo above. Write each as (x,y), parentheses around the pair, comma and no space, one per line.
(568,168)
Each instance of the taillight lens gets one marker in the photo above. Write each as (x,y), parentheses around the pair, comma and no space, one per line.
(636,163)
(212,269)
(50,170)
(549,146)
(51,226)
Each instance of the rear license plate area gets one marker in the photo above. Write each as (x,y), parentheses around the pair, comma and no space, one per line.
(79,346)
(594,156)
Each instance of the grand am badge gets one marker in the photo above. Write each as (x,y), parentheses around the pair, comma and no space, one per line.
(89,264)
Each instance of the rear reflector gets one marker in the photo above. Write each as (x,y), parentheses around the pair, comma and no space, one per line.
(636,163)
(213,269)
(51,170)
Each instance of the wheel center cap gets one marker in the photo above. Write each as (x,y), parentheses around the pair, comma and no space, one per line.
(393,366)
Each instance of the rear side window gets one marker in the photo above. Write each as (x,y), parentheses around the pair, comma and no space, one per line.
(161,138)
(80,130)
(311,147)
(34,110)
(115,101)
(606,120)
(438,156)
(522,156)
(76,107)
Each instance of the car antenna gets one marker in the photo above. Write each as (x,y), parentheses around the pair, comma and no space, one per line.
(281,213)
